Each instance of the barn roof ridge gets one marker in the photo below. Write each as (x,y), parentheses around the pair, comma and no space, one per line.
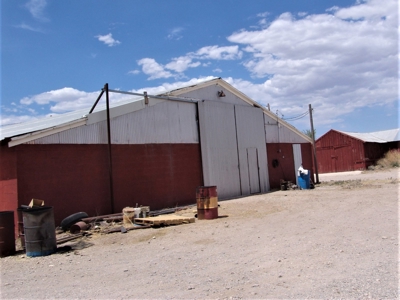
(382,136)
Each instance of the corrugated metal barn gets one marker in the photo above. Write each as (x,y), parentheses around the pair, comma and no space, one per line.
(339,151)
(160,148)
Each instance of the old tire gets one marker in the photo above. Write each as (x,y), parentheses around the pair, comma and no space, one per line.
(72,219)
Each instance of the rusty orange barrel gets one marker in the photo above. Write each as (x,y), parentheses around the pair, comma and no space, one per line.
(7,235)
(207,202)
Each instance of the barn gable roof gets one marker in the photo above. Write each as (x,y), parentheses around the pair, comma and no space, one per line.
(28,131)
(385,136)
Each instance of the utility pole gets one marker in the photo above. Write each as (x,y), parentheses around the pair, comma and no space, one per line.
(314,148)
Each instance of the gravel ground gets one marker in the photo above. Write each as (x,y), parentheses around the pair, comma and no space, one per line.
(337,241)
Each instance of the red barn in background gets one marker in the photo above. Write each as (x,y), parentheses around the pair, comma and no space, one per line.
(339,151)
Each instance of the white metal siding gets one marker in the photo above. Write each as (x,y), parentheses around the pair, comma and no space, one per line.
(166,122)
(254,174)
(219,148)
(250,134)
(297,159)
(278,133)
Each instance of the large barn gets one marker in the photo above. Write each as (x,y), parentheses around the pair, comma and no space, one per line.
(153,151)
(339,151)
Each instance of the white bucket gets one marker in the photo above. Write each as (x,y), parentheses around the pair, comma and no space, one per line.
(137,212)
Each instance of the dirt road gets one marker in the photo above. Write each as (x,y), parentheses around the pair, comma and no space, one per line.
(337,241)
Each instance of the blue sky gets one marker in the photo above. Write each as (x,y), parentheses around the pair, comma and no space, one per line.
(339,56)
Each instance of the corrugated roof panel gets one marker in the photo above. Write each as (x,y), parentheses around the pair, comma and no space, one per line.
(385,136)
(41,124)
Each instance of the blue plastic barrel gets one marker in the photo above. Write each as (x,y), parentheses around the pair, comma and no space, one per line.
(304,181)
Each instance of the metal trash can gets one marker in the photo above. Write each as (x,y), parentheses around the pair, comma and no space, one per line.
(207,202)
(7,235)
(39,230)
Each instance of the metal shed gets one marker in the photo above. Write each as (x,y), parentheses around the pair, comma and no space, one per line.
(340,151)
(160,149)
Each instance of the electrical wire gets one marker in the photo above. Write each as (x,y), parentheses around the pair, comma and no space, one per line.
(296,117)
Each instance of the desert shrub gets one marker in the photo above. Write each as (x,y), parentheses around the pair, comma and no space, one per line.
(391,159)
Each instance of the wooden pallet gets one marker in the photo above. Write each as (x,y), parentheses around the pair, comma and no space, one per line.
(164,220)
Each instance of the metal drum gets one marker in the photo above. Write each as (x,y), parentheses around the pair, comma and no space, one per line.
(207,202)
(40,231)
(7,238)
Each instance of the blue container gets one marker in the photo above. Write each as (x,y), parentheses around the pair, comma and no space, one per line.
(304,181)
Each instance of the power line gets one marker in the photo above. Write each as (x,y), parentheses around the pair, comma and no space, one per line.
(296,117)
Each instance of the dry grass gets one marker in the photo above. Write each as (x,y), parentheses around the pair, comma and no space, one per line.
(390,160)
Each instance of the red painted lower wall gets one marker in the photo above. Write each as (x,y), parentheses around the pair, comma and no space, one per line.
(71,178)
(8,182)
(284,168)
(74,178)
(156,175)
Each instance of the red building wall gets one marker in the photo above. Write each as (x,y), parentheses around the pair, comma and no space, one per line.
(74,178)
(283,153)
(71,178)
(8,182)
(156,175)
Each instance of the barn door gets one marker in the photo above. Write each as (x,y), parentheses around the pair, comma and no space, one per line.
(297,159)
(333,163)
(219,148)
(254,175)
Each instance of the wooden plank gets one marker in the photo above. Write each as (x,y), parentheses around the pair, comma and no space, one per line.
(164,220)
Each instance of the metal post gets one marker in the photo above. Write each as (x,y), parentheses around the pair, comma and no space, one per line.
(314,148)
(109,148)
(98,99)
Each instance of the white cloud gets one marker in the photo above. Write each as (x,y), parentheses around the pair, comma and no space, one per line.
(332,60)
(175,34)
(219,53)
(62,100)
(178,65)
(134,72)
(28,27)
(181,64)
(373,9)
(108,40)
(154,69)
(36,8)
(217,70)
(263,15)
